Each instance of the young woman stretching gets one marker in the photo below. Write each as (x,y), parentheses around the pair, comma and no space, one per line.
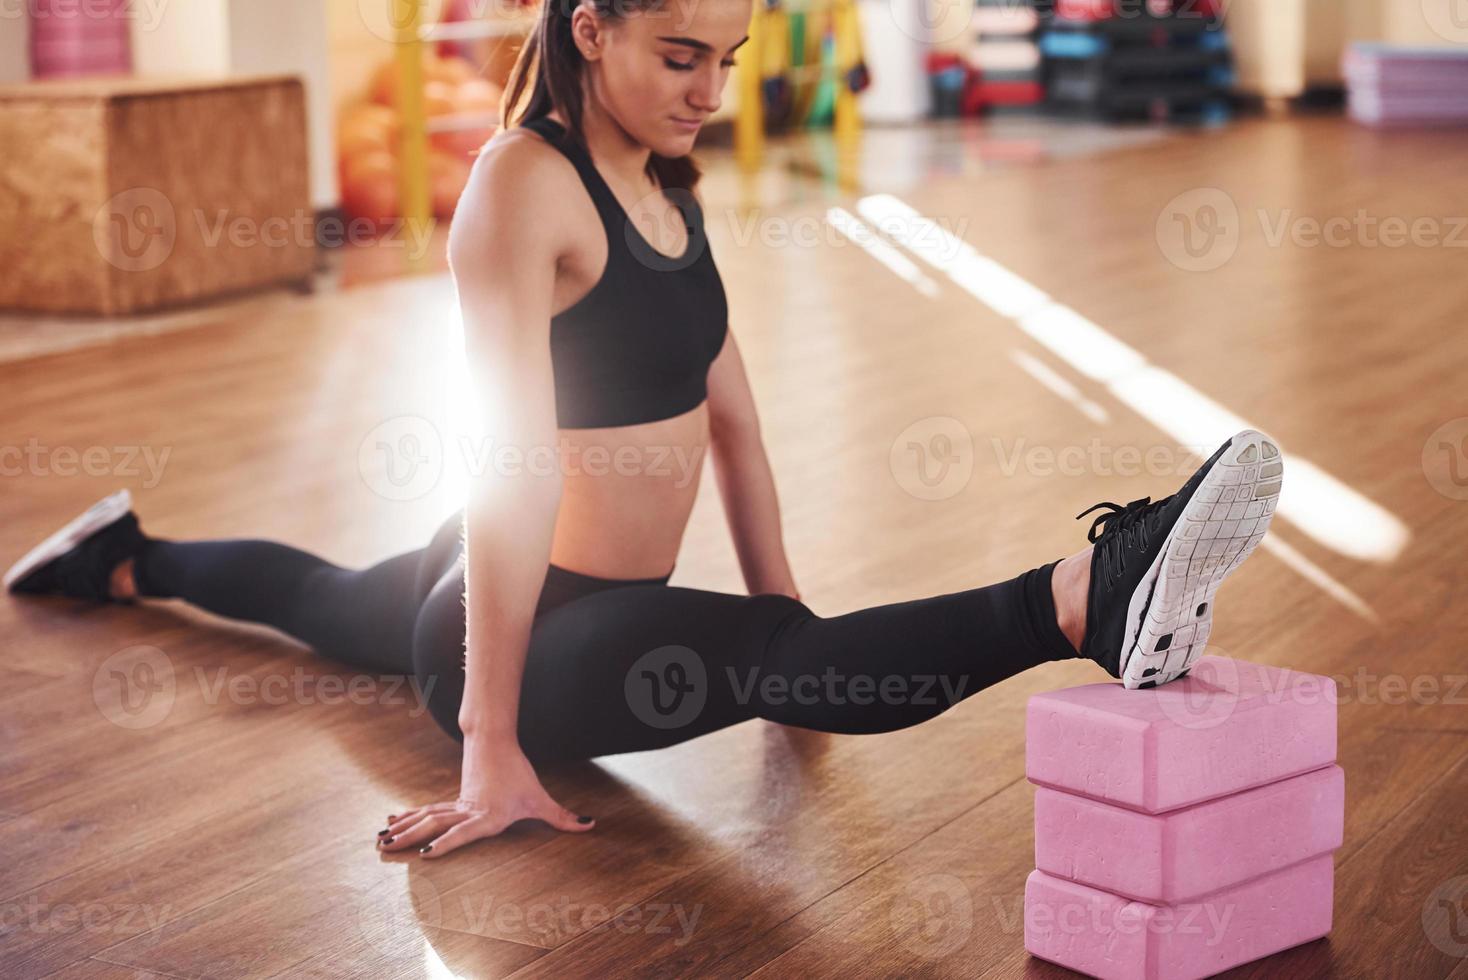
(539,621)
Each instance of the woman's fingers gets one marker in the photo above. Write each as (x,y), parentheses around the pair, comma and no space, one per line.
(562,819)
(407,816)
(466,832)
(401,823)
(438,828)
(420,832)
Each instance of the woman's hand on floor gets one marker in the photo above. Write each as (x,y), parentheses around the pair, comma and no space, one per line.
(498,787)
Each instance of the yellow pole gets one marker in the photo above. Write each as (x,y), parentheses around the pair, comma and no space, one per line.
(413,155)
(749,118)
(847,123)
(848,54)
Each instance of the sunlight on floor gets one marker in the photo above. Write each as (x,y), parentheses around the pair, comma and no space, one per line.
(1327,510)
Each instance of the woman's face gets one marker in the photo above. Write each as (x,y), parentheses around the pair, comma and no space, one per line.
(660,72)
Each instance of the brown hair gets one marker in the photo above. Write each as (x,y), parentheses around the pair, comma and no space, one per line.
(550,66)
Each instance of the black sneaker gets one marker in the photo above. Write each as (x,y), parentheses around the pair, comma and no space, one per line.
(1157,565)
(78,559)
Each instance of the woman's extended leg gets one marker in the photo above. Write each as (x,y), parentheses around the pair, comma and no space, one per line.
(360,617)
(642,667)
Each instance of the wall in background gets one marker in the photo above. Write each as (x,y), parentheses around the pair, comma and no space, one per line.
(219,37)
(185,39)
(353,52)
(289,37)
(15,59)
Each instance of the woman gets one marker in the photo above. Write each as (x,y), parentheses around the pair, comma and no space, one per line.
(540,621)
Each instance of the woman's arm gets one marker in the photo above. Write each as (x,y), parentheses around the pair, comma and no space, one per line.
(504,247)
(503,252)
(746,485)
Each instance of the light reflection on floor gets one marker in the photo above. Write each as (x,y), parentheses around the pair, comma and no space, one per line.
(1325,509)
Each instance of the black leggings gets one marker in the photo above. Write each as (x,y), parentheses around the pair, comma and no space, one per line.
(628,665)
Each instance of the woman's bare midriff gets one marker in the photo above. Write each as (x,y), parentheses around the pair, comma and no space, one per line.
(626,496)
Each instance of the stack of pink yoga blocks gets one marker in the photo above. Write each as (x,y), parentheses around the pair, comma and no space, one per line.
(1183,830)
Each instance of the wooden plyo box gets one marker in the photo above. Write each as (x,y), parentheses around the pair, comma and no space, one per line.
(123,195)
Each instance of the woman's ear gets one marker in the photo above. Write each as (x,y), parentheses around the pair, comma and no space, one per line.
(588,31)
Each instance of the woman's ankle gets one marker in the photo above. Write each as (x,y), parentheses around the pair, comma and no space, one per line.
(1070,585)
(123,584)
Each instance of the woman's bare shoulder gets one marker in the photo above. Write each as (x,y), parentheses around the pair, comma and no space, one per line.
(520,185)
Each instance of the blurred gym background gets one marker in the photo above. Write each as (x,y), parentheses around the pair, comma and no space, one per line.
(117,116)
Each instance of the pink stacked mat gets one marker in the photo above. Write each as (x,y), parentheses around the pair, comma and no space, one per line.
(1183,830)
(1396,85)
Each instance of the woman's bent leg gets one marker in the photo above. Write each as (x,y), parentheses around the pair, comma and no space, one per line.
(364,618)
(642,667)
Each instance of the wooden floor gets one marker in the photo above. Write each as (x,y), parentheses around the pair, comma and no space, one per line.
(223,826)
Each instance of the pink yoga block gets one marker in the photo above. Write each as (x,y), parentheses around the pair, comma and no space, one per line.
(1230,725)
(1111,938)
(1177,856)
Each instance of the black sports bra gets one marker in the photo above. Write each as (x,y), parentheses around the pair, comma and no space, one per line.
(638,346)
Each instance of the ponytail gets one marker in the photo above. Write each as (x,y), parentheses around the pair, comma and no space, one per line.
(548,75)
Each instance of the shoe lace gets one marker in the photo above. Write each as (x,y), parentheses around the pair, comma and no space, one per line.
(1119,530)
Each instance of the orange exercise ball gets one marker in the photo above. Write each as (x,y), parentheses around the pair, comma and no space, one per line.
(453,70)
(461,142)
(478,95)
(367,126)
(438,98)
(447,177)
(442,78)
(370,186)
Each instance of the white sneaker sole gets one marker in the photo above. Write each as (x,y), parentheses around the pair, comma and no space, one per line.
(1221,525)
(94,519)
